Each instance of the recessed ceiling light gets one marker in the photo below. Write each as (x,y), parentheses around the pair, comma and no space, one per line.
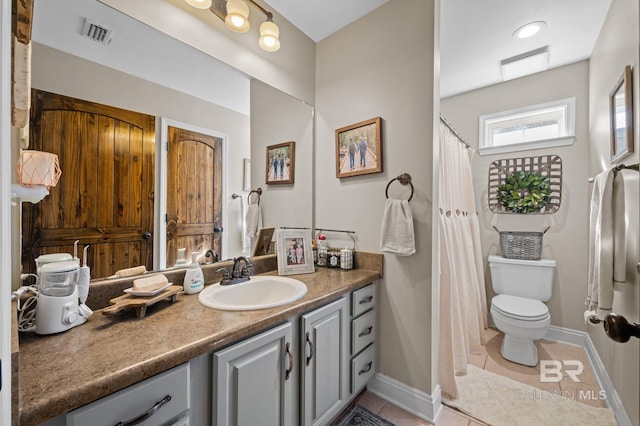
(529,30)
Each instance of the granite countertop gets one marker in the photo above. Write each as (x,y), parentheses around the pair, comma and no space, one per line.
(59,373)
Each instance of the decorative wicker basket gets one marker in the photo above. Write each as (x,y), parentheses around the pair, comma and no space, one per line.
(521,245)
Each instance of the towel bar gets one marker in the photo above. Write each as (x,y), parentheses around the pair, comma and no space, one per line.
(404,179)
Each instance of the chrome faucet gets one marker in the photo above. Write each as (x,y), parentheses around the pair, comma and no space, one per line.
(237,274)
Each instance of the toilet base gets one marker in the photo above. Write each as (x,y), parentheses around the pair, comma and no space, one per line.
(519,350)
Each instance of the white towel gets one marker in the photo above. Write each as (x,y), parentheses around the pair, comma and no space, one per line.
(600,296)
(396,233)
(254,219)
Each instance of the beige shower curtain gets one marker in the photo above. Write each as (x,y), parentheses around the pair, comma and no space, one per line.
(463,302)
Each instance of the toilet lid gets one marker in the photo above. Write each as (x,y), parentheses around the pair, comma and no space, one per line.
(520,307)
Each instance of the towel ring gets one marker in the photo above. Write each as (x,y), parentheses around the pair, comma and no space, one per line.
(258,192)
(404,179)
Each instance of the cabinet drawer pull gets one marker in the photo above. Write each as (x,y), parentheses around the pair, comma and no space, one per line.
(310,349)
(366,369)
(366,332)
(290,369)
(365,300)
(144,416)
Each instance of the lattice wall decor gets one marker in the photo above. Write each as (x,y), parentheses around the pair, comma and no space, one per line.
(546,165)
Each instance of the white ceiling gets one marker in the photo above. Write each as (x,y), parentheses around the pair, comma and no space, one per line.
(475,34)
(321,18)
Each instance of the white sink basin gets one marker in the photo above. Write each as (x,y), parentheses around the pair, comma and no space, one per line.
(260,292)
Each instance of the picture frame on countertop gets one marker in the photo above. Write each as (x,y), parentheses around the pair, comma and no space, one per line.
(294,251)
(263,242)
(281,160)
(621,116)
(359,148)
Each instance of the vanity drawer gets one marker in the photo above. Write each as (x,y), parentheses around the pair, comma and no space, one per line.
(362,300)
(138,399)
(363,367)
(363,331)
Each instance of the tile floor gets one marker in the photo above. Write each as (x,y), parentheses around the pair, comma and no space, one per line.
(491,360)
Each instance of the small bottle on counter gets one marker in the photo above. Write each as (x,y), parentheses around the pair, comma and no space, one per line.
(346,258)
(322,250)
(333,258)
(193,277)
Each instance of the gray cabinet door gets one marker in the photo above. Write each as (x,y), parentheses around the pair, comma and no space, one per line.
(323,358)
(252,380)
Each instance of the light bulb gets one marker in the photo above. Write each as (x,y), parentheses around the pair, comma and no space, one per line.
(269,33)
(237,21)
(237,18)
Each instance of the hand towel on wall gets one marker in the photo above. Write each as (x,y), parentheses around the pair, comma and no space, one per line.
(600,293)
(254,219)
(396,234)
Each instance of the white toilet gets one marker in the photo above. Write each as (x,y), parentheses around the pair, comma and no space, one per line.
(517,309)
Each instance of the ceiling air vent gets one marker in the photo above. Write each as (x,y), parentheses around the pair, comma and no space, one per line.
(96,32)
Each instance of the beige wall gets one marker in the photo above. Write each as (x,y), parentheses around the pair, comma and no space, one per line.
(277,118)
(383,65)
(616,47)
(566,241)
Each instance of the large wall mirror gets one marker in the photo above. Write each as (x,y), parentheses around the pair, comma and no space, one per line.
(146,71)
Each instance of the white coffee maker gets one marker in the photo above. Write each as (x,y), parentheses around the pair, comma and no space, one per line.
(60,305)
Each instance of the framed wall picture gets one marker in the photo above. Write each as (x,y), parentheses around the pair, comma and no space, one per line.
(281,160)
(263,242)
(294,251)
(621,116)
(359,149)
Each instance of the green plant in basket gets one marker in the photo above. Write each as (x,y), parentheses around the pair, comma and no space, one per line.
(524,192)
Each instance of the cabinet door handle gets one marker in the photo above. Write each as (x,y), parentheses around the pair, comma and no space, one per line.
(144,416)
(290,355)
(366,332)
(366,300)
(366,369)
(310,349)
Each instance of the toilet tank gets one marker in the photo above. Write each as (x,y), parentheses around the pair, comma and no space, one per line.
(532,279)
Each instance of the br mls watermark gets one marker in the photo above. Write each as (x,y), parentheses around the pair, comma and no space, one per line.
(553,371)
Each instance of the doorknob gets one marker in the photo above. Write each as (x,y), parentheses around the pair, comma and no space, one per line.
(619,329)
(217,229)
(146,235)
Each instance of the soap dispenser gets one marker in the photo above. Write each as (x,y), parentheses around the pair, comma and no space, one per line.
(193,277)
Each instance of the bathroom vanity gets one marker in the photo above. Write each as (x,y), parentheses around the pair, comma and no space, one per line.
(111,361)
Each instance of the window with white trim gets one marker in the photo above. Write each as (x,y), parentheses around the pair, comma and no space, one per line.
(532,127)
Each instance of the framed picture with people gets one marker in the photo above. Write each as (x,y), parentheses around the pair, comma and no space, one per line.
(281,160)
(359,148)
(294,251)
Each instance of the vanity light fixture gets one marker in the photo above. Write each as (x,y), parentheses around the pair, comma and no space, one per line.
(235,14)
(529,30)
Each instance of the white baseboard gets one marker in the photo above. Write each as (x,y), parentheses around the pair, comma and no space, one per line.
(581,338)
(412,400)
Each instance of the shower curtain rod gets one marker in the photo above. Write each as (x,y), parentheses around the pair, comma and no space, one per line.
(455,132)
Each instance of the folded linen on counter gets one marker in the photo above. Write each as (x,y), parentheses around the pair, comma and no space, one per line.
(254,219)
(396,233)
(600,279)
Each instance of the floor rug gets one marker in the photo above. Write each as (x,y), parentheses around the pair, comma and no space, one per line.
(360,416)
(497,400)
